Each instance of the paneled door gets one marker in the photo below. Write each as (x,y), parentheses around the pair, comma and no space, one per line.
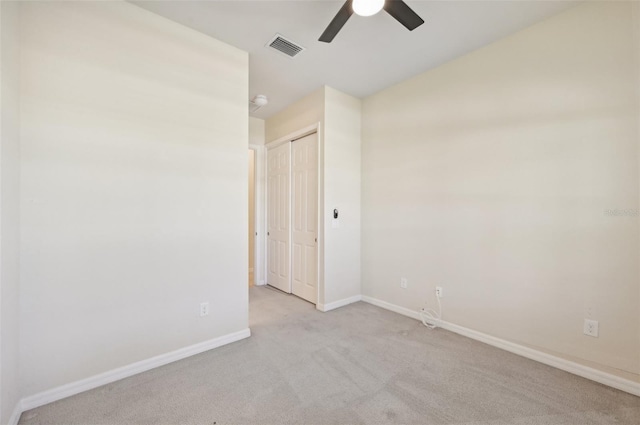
(278,204)
(304,220)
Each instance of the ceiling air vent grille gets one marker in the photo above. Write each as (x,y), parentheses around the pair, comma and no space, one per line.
(285,46)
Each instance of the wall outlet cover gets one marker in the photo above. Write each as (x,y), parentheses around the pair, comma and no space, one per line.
(591,327)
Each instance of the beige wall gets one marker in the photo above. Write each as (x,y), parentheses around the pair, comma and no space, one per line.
(305,112)
(490,176)
(9,208)
(339,138)
(134,189)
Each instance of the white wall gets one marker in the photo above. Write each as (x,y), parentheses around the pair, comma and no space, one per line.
(490,176)
(9,208)
(342,183)
(134,189)
(339,117)
(256,131)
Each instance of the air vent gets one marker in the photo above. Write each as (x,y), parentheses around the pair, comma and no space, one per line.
(285,46)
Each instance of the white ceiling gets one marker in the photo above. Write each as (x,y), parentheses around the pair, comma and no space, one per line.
(368,55)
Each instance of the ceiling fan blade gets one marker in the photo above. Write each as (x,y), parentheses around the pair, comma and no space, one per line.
(403,14)
(337,22)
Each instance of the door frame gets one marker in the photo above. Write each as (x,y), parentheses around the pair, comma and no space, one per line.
(291,137)
(259,244)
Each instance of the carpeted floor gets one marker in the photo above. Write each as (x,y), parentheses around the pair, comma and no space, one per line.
(355,365)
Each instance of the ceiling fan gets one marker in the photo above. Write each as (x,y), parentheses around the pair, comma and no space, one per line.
(396,8)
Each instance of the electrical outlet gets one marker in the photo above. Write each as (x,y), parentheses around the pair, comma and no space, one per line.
(403,282)
(591,327)
(439,292)
(204,309)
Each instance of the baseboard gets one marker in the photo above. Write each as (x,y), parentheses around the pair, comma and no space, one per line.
(392,307)
(15,416)
(548,359)
(95,381)
(261,283)
(339,303)
(596,375)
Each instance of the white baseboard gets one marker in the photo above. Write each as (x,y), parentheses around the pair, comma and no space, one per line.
(596,375)
(15,416)
(339,303)
(548,359)
(95,381)
(261,283)
(392,307)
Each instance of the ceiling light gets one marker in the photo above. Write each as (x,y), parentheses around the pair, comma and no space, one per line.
(367,7)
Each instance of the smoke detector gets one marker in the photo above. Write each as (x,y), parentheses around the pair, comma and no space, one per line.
(259,101)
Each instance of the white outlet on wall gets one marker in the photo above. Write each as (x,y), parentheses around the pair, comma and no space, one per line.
(204,309)
(403,282)
(591,327)
(439,292)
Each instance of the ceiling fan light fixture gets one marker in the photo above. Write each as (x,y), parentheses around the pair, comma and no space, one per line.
(398,9)
(367,7)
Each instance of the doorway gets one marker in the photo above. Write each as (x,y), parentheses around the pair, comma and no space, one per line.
(252,216)
(292,217)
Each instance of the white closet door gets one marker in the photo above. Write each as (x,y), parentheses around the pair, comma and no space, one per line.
(304,206)
(278,230)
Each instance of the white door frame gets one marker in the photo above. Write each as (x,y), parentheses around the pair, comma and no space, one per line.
(314,128)
(259,245)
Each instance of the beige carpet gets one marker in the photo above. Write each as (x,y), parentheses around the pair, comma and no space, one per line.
(355,365)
